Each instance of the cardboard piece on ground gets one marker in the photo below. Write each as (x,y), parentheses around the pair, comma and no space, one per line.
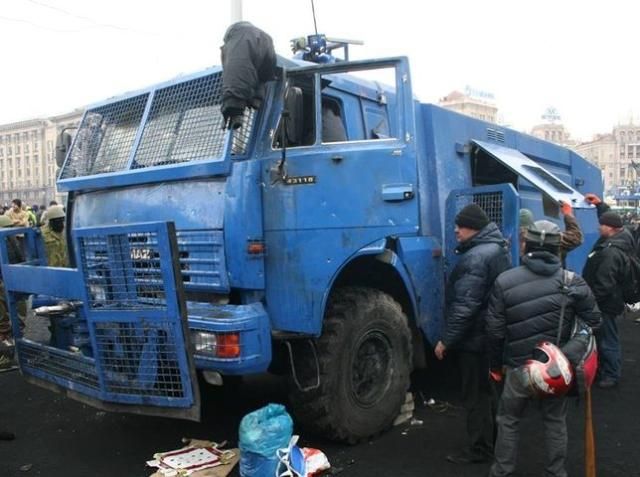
(221,470)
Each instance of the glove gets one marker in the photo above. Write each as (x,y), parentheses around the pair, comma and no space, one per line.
(565,208)
(496,375)
(592,199)
(232,118)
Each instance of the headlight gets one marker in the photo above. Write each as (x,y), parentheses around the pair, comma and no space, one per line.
(204,343)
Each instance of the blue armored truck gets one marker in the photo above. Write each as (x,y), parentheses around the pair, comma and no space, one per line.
(313,243)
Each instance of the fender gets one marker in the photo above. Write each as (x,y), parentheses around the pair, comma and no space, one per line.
(382,253)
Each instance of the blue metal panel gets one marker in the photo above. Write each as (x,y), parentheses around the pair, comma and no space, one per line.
(60,282)
(250,321)
(301,266)
(142,176)
(534,173)
(197,209)
(423,259)
(243,224)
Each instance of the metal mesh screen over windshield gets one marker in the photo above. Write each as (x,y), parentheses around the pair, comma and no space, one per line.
(183,124)
(105,138)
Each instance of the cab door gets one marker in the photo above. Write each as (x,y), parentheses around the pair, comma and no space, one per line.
(347,179)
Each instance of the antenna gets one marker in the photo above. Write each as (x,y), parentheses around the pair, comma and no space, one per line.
(236,11)
(313,10)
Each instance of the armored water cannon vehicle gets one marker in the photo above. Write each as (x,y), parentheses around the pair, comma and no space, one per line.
(314,243)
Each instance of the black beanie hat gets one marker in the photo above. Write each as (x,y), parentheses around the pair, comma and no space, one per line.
(472,217)
(611,219)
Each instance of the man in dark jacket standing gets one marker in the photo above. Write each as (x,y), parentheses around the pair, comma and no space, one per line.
(605,272)
(483,256)
(524,309)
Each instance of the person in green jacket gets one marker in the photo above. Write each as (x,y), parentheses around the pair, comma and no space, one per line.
(55,242)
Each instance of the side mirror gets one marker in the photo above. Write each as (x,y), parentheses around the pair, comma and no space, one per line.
(293,105)
(63,144)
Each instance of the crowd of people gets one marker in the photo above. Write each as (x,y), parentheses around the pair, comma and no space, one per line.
(50,223)
(504,324)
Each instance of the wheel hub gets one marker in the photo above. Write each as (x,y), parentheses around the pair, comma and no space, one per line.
(371,368)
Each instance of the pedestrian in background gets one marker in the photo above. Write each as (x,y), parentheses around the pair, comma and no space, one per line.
(55,242)
(605,272)
(483,256)
(43,218)
(524,310)
(17,214)
(570,238)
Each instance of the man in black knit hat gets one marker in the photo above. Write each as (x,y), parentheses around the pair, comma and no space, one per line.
(605,272)
(483,256)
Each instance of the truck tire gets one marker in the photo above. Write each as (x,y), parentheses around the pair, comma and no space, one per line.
(364,355)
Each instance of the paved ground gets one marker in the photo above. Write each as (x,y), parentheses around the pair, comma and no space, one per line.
(58,437)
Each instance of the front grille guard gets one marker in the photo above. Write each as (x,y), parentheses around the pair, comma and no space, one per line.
(136,349)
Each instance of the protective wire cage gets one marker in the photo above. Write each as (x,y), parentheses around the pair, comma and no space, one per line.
(133,313)
(139,359)
(123,271)
(105,137)
(183,124)
(491,203)
(57,364)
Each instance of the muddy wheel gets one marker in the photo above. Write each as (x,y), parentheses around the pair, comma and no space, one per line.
(364,355)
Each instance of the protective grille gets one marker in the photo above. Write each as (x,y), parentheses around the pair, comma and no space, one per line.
(58,364)
(139,359)
(241,136)
(105,137)
(123,271)
(202,261)
(184,124)
(491,203)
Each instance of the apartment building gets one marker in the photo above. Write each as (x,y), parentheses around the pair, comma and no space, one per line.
(27,158)
(478,105)
(616,153)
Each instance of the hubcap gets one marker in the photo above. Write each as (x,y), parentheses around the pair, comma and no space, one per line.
(371,368)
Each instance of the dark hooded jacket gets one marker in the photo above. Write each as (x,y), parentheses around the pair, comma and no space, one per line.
(525,306)
(607,268)
(482,259)
(248,61)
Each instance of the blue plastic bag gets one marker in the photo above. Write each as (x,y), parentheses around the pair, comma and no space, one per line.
(262,433)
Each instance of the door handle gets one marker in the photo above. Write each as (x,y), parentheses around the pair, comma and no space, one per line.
(397,192)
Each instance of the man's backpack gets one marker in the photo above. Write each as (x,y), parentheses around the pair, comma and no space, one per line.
(631,285)
(581,349)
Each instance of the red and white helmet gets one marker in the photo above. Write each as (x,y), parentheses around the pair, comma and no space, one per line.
(549,373)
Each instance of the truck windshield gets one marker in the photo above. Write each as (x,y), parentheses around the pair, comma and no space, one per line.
(169,125)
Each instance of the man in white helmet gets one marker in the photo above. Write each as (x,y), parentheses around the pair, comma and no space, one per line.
(524,309)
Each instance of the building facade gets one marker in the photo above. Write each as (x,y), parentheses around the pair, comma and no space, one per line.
(602,152)
(28,169)
(552,132)
(471,105)
(618,155)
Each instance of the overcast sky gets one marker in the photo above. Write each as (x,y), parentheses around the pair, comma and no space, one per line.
(580,57)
